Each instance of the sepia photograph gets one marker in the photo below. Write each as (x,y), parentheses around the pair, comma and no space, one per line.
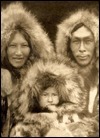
(49,68)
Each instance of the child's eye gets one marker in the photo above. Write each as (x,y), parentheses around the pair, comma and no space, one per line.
(54,94)
(44,94)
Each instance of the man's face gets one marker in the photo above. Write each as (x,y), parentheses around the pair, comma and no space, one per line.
(48,98)
(83,46)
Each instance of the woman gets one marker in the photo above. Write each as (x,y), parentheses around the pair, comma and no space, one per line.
(23,41)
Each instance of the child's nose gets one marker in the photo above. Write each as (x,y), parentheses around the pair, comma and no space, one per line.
(50,99)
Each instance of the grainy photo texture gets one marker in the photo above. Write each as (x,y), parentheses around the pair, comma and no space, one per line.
(50,69)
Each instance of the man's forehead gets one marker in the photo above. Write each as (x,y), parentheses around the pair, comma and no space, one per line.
(82,32)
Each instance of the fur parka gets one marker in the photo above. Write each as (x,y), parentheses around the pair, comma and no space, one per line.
(6,82)
(88,18)
(91,21)
(13,17)
(16,15)
(90,72)
(69,85)
(52,73)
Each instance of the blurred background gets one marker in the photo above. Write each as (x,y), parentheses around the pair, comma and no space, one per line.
(51,13)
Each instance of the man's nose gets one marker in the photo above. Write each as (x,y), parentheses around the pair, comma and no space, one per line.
(82,47)
(50,99)
(18,50)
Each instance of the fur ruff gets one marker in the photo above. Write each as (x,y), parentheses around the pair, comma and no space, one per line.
(88,18)
(68,83)
(73,88)
(91,20)
(16,15)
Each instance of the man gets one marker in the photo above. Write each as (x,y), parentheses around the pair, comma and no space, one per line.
(77,41)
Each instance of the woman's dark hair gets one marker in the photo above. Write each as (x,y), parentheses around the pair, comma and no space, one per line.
(33,54)
(24,33)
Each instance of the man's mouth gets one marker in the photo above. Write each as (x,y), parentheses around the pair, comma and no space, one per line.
(82,57)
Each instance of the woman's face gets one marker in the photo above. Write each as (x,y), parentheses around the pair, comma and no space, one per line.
(18,51)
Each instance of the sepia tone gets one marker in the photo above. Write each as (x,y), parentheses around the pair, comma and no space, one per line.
(50,68)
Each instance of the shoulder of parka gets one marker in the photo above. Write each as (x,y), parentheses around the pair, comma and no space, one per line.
(6,82)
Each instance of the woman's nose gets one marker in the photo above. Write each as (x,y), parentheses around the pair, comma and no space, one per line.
(18,50)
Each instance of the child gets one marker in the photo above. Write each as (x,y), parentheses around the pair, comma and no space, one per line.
(49,91)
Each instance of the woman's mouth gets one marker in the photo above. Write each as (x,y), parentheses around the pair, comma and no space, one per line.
(18,59)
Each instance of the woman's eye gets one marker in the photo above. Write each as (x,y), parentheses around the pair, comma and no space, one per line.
(12,45)
(25,46)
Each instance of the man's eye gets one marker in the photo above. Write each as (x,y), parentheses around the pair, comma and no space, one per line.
(88,40)
(75,41)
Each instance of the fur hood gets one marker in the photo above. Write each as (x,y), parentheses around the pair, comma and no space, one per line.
(50,74)
(88,18)
(15,15)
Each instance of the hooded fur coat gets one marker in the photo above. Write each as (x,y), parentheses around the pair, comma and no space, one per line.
(90,72)
(43,74)
(89,19)
(16,16)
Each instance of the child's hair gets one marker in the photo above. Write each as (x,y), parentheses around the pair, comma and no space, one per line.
(48,80)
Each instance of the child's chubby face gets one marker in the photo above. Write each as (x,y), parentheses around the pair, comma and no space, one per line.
(49,97)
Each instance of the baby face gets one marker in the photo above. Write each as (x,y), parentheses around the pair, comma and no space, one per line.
(49,97)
